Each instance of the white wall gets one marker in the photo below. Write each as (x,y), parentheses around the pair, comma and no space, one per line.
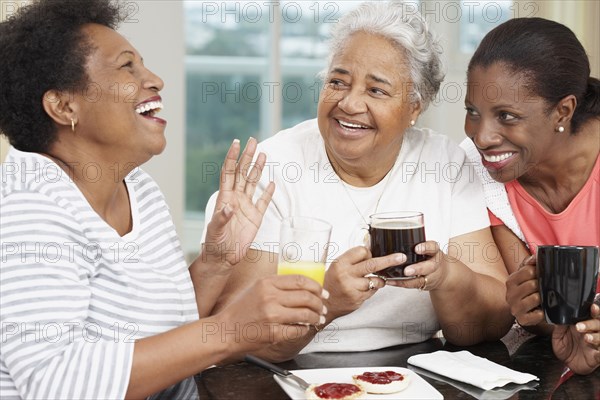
(446,114)
(583,18)
(155,29)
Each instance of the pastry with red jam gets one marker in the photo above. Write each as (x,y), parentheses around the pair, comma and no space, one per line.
(382,382)
(334,391)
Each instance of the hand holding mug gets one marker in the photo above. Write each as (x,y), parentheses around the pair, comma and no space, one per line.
(430,273)
(578,346)
(522,294)
(350,280)
(404,232)
(567,278)
(397,232)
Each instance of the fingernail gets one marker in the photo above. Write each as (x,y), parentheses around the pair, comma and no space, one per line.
(400,258)
(321,320)
(409,271)
(227,210)
(589,338)
(580,327)
(324,310)
(325,294)
(419,248)
(236,141)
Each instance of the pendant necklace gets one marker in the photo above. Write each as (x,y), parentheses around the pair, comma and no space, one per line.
(366,223)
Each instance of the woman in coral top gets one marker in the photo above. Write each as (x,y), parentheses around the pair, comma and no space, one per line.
(533,120)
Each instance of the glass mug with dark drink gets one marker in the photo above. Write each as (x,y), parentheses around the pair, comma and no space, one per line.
(397,232)
(567,278)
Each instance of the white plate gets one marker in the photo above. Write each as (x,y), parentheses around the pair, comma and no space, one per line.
(418,387)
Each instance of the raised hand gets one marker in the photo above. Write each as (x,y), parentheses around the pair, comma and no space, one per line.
(579,345)
(237,218)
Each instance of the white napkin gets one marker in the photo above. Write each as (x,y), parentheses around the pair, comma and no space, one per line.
(465,367)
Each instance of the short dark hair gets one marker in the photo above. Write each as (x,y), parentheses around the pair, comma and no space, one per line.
(550,58)
(42,47)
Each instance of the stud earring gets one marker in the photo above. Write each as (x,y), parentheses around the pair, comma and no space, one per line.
(412,122)
(72,125)
(560,129)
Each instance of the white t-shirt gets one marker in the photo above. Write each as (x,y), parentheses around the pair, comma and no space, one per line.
(75,295)
(431,175)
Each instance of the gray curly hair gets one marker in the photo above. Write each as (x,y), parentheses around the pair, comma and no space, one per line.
(408,31)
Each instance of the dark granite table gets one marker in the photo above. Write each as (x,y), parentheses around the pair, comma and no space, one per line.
(248,382)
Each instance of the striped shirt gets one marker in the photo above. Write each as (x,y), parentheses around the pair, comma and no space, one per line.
(74,294)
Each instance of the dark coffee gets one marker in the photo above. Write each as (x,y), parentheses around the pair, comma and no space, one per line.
(396,237)
(567,277)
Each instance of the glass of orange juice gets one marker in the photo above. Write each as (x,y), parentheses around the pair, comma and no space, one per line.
(303,245)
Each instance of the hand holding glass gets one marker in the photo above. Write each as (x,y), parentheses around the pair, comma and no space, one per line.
(397,232)
(303,245)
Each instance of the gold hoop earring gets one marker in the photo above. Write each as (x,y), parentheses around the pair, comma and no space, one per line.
(72,125)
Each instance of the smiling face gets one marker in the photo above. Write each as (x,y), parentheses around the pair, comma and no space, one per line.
(510,127)
(364,107)
(116,114)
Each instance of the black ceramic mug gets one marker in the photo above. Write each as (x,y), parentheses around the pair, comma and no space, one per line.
(567,277)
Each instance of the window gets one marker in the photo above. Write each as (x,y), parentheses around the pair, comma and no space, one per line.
(478,18)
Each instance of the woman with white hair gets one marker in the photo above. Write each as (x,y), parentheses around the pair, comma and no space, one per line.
(364,154)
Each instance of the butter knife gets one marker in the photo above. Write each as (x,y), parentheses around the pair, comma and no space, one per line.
(277,370)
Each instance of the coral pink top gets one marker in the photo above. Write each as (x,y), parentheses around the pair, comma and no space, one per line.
(577,225)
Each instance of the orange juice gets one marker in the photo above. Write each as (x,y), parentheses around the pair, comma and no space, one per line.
(313,270)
